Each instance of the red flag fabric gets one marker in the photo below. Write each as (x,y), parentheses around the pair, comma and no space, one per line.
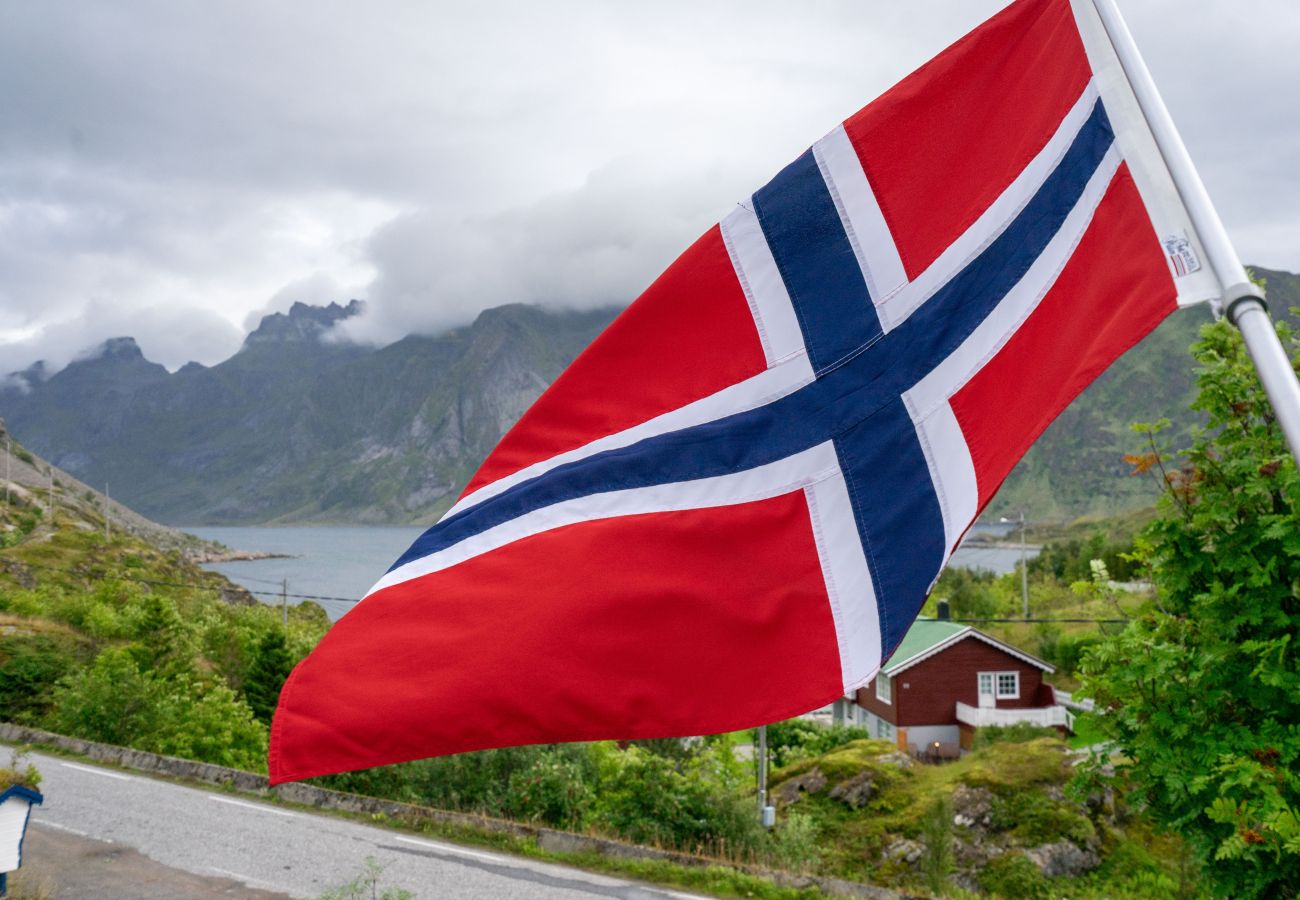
(729,510)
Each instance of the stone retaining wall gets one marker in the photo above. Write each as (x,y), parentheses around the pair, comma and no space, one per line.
(549,839)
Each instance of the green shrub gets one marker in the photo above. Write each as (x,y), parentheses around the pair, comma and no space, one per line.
(795,843)
(111,701)
(24,603)
(971,593)
(1017,733)
(553,791)
(1070,561)
(1066,652)
(29,666)
(470,782)
(117,702)
(1034,818)
(694,807)
(1013,875)
(796,739)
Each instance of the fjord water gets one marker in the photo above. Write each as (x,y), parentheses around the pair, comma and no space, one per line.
(344,562)
(323,561)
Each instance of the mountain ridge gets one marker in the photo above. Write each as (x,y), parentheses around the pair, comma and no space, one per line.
(297,427)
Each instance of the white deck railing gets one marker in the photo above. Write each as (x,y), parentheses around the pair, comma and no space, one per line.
(1044,716)
(1083,704)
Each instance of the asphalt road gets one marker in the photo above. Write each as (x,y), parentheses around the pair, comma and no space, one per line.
(284,851)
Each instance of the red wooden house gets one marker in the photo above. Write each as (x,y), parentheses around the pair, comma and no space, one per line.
(947,679)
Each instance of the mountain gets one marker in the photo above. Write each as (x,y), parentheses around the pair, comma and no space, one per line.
(1076,467)
(295,427)
(31,489)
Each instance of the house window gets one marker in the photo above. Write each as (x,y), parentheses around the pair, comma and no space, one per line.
(1002,685)
(884,688)
(884,730)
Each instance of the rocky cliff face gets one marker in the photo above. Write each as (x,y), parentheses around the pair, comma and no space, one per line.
(296,428)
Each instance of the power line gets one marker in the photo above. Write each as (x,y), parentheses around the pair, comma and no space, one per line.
(261,580)
(1058,621)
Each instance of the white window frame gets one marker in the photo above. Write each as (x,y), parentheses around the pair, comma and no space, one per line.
(884,730)
(993,685)
(885,689)
(998,693)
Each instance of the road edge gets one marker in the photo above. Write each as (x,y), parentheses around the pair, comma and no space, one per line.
(553,845)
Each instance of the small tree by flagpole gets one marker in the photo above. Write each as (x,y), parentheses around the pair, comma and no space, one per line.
(1243,300)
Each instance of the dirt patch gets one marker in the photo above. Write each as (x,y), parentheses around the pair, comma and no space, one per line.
(65,866)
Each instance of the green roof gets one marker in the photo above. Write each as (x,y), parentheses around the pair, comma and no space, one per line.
(923,635)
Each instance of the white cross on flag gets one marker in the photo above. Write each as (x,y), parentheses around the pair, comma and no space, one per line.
(729,510)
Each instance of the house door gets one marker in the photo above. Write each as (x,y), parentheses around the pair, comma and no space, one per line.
(987,697)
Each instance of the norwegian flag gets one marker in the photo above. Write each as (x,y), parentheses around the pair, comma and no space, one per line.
(729,510)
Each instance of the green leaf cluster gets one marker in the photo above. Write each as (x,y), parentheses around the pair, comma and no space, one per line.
(796,739)
(1202,691)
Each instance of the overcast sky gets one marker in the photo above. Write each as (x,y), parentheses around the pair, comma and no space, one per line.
(175,170)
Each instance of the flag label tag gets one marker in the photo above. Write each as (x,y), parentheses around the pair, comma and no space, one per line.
(1182,256)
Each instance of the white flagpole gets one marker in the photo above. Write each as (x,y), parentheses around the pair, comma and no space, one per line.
(1242,301)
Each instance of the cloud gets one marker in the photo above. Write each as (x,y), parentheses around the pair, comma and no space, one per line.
(165,163)
(170,335)
(599,244)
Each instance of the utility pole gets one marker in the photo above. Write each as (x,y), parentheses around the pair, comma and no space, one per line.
(108,514)
(284,604)
(51,470)
(766,813)
(1024,567)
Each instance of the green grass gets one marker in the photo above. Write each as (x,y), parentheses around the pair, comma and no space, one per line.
(1086,732)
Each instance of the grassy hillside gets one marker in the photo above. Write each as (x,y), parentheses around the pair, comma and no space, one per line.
(1001,821)
(115,638)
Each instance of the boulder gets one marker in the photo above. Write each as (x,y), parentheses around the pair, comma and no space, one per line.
(856,791)
(972,806)
(904,850)
(1062,858)
(792,789)
(973,854)
(898,759)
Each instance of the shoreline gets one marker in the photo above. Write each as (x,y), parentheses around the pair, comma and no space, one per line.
(223,556)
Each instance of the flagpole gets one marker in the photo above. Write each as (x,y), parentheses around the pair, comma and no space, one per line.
(1243,300)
